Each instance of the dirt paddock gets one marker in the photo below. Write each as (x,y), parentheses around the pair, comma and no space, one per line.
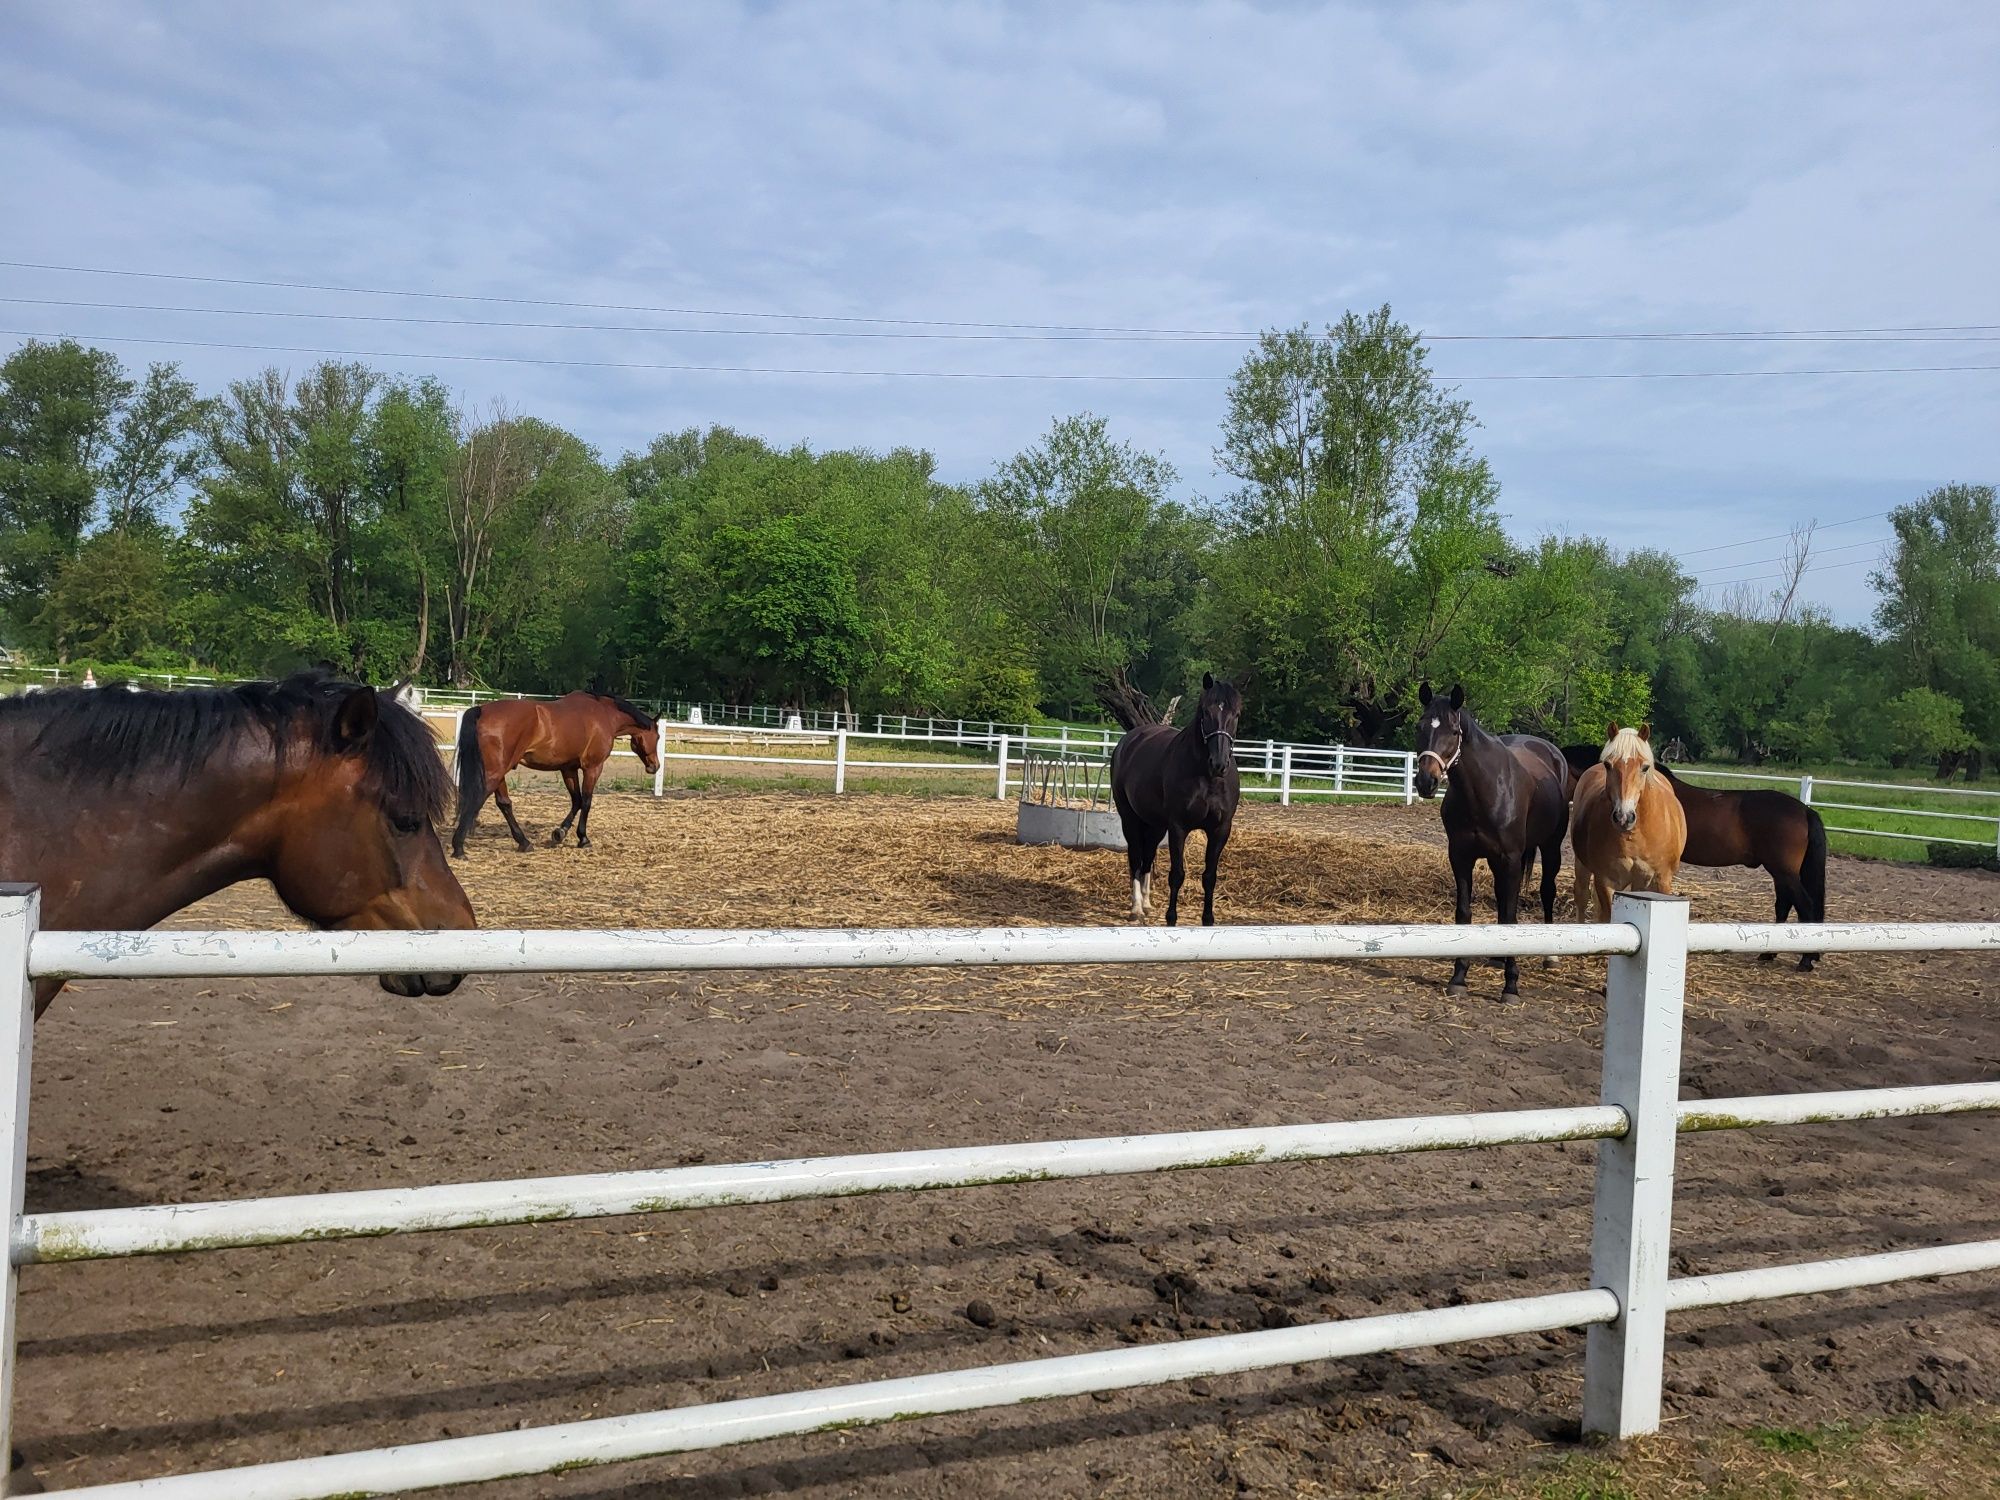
(191,1091)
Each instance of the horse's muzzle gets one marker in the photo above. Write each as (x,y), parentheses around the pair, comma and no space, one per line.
(1427,785)
(415,986)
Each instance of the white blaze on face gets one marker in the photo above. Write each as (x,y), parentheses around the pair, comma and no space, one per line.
(1628,781)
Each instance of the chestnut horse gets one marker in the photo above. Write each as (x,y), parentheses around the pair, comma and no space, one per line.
(573,735)
(125,807)
(1627,828)
(1168,782)
(1761,828)
(1507,798)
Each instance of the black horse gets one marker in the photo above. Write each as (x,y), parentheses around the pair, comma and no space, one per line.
(1168,782)
(1507,797)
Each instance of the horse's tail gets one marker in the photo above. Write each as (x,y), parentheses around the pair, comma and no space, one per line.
(471,766)
(1812,869)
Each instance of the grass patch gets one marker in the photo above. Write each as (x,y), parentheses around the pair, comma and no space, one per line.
(1950,1456)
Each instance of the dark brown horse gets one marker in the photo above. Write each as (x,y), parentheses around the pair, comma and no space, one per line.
(573,735)
(125,807)
(1762,829)
(1168,782)
(1507,797)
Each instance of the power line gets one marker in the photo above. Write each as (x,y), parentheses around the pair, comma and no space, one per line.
(1754,562)
(1723,583)
(608,364)
(1873,515)
(1889,333)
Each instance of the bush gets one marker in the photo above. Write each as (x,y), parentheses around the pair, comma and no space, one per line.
(1962,857)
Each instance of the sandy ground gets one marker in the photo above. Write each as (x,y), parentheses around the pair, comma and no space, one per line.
(184,1092)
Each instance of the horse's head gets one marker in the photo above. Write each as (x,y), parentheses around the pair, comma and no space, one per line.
(646,745)
(1628,765)
(350,833)
(1440,736)
(1215,718)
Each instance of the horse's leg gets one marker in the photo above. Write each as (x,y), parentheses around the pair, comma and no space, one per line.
(1552,861)
(1176,872)
(1141,845)
(575,804)
(1604,893)
(1462,860)
(590,775)
(1218,838)
(505,802)
(1507,897)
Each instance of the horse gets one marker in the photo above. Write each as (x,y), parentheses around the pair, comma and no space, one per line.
(1167,782)
(126,807)
(1627,828)
(1764,829)
(1506,798)
(573,735)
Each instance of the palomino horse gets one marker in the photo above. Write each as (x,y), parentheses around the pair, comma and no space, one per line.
(1763,829)
(573,735)
(1627,828)
(1169,782)
(126,807)
(1507,797)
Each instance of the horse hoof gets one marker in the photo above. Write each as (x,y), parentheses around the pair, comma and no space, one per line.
(555,839)
(524,847)
(583,843)
(1765,958)
(1510,997)
(1550,961)
(1807,965)
(1455,990)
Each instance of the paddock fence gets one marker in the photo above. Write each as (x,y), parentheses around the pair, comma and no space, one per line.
(1636,1120)
(1808,788)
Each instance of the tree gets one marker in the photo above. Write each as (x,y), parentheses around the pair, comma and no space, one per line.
(790,606)
(1940,605)
(1363,534)
(1923,725)
(81,445)
(1080,509)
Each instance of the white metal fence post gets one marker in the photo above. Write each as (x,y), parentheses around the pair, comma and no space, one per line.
(660,769)
(1409,780)
(1270,756)
(1339,769)
(1285,780)
(1633,1227)
(20,915)
(1000,792)
(1805,790)
(840,762)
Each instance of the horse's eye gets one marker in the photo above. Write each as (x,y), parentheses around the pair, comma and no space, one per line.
(406,826)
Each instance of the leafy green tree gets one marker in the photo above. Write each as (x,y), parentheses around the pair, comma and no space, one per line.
(113,601)
(1365,532)
(1923,725)
(1940,604)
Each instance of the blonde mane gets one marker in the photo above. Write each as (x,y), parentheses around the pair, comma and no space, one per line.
(1625,744)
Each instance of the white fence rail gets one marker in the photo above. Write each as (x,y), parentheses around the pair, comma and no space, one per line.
(1637,1118)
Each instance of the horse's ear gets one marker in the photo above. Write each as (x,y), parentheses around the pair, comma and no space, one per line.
(354,720)
(1424,693)
(1207,681)
(1646,732)
(1611,732)
(1458,695)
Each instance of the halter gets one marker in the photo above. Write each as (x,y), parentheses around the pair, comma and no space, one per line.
(1210,736)
(1444,766)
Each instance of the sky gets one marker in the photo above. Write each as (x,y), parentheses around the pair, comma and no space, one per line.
(748,192)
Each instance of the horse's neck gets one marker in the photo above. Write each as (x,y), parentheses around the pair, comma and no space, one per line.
(1481,750)
(146,847)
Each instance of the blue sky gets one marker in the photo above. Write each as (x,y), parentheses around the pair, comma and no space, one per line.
(1552,169)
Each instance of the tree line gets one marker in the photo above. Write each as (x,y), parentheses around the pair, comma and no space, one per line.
(371,522)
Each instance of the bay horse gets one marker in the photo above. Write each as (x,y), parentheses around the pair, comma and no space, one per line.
(1627,829)
(126,807)
(574,735)
(1168,782)
(1762,829)
(1506,799)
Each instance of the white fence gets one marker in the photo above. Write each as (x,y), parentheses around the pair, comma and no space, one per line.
(1808,787)
(1637,1119)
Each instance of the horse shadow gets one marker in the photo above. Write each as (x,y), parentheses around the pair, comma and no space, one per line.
(989,897)
(68,1188)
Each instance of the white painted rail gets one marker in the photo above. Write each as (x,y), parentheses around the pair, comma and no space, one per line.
(1638,1120)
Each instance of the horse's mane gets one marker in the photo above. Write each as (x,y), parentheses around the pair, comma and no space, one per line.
(628,708)
(1625,744)
(111,735)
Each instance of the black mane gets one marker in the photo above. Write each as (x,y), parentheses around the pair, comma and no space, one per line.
(111,734)
(630,709)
